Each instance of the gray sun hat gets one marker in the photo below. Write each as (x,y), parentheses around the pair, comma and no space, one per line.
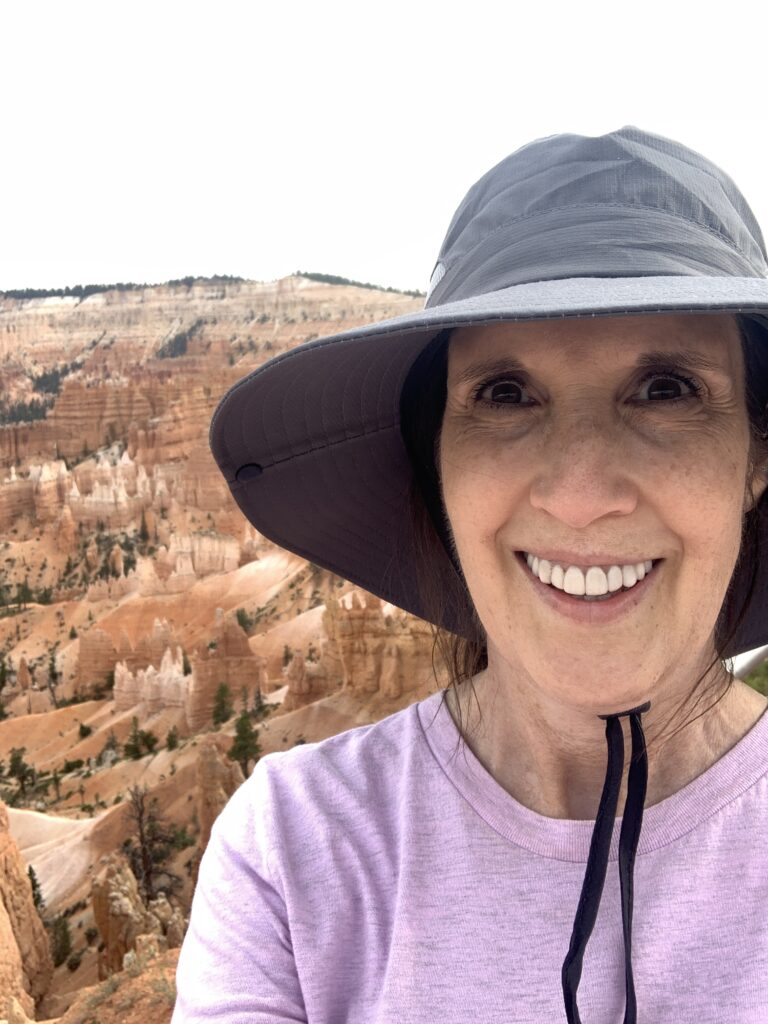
(310,443)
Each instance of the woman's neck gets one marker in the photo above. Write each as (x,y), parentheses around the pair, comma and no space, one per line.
(550,765)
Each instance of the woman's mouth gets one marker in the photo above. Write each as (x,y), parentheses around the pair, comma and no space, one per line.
(593,583)
(600,594)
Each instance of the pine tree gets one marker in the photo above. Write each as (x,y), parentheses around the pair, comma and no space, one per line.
(245,747)
(148,740)
(19,769)
(260,708)
(132,746)
(37,893)
(61,940)
(222,705)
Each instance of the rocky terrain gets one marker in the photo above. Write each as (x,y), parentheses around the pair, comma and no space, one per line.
(145,626)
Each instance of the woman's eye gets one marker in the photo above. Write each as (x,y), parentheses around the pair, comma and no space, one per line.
(500,392)
(666,387)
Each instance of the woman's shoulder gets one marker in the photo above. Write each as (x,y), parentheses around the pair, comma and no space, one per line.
(361,756)
(359,769)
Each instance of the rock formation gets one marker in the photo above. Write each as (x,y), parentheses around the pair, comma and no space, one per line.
(122,918)
(66,531)
(217,779)
(23,676)
(25,958)
(150,647)
(366,652)
(96,660)
(150,690)
(228,659)
(373,652)
(308,681)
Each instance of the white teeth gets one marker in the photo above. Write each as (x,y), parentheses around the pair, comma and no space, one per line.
(594,583)
(573,582)
(615,578)
(629,572)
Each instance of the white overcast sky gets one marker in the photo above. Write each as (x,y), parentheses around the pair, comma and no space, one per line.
(146,141)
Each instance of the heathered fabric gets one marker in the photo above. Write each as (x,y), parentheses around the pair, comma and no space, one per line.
(381,877)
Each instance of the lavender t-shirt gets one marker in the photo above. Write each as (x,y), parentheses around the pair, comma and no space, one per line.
(378,876)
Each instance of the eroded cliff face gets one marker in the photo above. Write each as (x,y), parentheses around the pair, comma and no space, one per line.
(25,957)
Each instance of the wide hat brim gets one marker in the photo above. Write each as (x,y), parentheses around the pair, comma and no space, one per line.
(311,447)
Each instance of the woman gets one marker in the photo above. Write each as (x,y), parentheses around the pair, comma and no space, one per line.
(559,462)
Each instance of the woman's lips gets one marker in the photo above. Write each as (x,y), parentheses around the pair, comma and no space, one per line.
(592,612)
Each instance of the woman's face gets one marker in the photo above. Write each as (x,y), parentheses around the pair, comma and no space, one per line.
(596,442)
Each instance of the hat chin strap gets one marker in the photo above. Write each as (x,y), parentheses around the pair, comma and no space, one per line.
(594,878)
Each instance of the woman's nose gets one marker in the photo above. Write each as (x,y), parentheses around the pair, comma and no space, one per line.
(584,470)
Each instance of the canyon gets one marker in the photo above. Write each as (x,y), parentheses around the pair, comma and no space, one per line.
(143,620)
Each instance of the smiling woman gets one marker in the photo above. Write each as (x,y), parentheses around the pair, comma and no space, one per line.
(556,428)
(561,464)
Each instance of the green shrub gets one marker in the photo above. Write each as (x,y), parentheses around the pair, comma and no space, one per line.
(61,940)
(148,740)
(181,838)
(73,961)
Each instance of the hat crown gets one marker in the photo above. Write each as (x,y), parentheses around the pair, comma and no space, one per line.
(625,204)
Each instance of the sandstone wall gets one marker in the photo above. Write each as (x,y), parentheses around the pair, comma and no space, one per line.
(25,958)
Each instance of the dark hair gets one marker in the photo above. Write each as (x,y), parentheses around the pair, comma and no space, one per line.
(444,595)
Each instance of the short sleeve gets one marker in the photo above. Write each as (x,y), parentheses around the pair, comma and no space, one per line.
(236,963)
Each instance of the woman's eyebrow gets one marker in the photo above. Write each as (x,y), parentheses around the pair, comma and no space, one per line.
(688,358)
(685,358)
(490,367)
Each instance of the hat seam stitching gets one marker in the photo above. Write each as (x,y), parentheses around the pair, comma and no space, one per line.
(584,206)
(328,444)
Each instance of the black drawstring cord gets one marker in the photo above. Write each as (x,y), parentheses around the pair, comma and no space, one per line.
(597,863)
